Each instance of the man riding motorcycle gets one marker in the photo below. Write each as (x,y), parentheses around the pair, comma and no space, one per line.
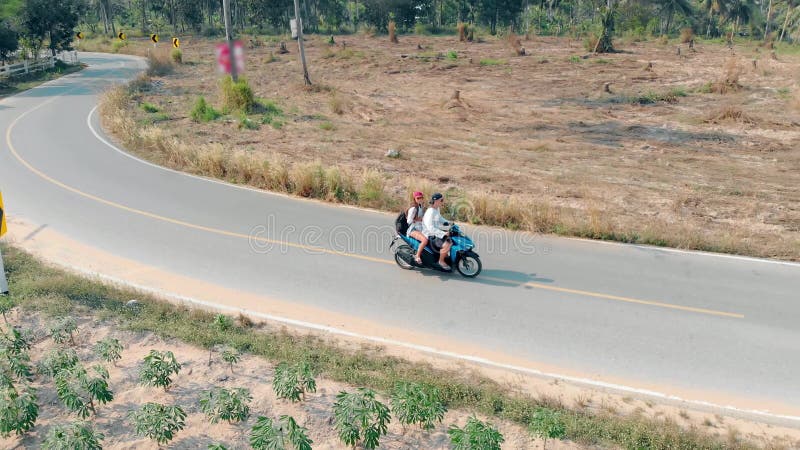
(435,225)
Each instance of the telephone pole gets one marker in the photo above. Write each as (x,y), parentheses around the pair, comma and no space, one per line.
(300,41)
(226,11)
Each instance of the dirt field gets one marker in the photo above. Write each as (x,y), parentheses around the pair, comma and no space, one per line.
(655,158)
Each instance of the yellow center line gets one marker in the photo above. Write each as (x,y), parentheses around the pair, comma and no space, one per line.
(321,249)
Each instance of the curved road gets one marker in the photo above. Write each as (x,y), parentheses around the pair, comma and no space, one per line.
(704,327)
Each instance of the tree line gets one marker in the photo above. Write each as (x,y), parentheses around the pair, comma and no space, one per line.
(35,23)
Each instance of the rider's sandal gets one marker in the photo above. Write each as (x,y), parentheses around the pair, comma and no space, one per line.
(418,259)
(444,267)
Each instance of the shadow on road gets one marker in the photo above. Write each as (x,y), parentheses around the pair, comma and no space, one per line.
(491,277)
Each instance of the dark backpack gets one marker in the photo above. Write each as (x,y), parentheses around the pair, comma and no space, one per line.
(401,222)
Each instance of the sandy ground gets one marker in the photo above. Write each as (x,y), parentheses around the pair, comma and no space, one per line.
(202,371)
(536,128)
(198,375)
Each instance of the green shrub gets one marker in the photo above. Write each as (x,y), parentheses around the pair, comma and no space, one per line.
(237,96)
(452,55)
(158,368)
(158,422)
(327,126)
(475,435)
(414,403)
(75,436)
(203,112)
(56,360)
(18,410)
(61,330)
(79,391)
(149,107)
(360,418)
(177,56)
(546,424)
(118,45)
(109,350)
(292,382)
(247,123)
(232,405)
(267,435)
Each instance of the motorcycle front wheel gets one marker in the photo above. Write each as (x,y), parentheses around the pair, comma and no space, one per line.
(469,265)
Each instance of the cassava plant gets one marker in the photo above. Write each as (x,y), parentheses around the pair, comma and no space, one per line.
(475,435)
(75,436)
(16,341)
(62,330)
(18,410)
(109,350)
(157,369)
(79,391)
(232,405)
(546,424)
(158,422)
(287,434)
(360,418)
(414,403)
(231,356)
(14,368)
(56,360)
(292,382)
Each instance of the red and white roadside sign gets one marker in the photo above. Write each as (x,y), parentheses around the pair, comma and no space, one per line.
(224,57)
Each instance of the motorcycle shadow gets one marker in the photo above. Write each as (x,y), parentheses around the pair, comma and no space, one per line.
(491,277)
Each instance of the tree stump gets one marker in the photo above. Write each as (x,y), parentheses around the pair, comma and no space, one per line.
(282,50)
(607,88)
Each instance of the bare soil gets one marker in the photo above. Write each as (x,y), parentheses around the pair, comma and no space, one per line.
(704,170)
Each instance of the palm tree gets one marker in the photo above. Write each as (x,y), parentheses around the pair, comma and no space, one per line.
(712,6)
(791,10)
(739,10)
(670,7)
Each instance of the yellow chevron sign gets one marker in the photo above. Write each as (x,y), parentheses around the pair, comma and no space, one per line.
(176,42)
(122,36)
(3,227)
(154,38)
(79,35)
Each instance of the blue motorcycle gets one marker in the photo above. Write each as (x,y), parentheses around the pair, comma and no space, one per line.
(461,256)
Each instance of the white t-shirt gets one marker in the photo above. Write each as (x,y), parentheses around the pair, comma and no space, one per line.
(413,225)
(433,222)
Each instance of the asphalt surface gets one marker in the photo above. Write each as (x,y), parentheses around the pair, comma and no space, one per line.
(618,312)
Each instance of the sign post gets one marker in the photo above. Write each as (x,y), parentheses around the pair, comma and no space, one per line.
(224,62)
(226,10)
(3,229)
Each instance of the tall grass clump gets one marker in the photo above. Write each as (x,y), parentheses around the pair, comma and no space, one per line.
(203,112)
(687,34)
(729,81)
(159,64)
(392,32)
(462,32)
(177,56)
(118,45)
(237,96)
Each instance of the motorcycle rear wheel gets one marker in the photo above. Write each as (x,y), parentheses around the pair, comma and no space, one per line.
(398,257)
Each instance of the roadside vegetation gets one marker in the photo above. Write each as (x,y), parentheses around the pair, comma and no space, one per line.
(389,388)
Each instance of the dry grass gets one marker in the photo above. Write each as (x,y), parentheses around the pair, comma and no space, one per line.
(515,44)
(393,32)
(687,34)
(159,63)
(729,81)
(731,113)
(522,156)
(462,32)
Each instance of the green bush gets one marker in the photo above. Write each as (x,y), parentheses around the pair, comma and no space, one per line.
(232,405)
(118,45)
(475,435)
(149,107)
(177,56)
(158,422)
(75,436)
(247,123)
(359,417)
(237,96)
(158,368)
(414,403)
(267,435)
(203,112)
(292,382)
(452,55)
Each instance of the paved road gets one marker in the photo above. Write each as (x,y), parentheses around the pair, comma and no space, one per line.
(649,317)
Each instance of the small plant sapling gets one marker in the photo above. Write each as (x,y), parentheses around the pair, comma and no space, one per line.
(56,360)
(18,410)
(158,422)
(62,330)
(109,350)
(292,382)
(546,424)
(414,403)
(232,405)
(157,369)
(268,435)
(360,418)
(79,391)
(75,436)
(231,356)
(217,446)
(475,435)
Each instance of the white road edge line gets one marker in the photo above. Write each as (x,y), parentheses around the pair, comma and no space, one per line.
(264,192)
(417,347)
